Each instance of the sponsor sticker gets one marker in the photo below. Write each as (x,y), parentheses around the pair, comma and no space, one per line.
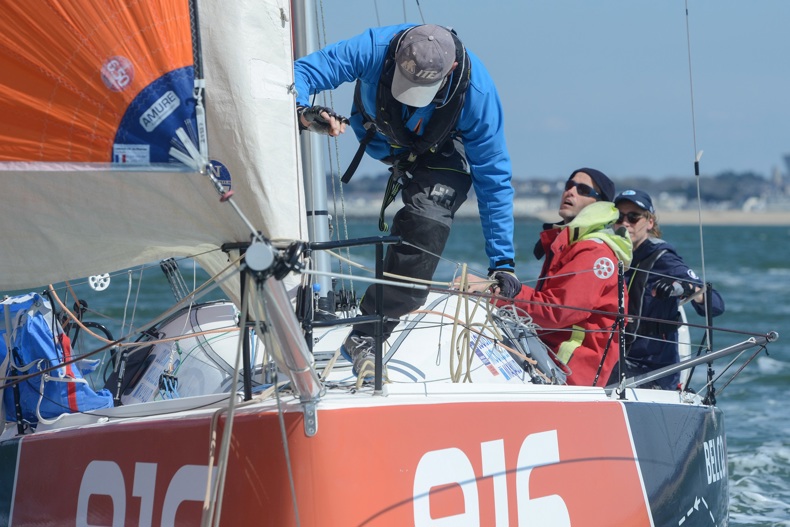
(715,459)
(497,360)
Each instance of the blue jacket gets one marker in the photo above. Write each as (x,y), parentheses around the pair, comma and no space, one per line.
(481,123)
(651,354)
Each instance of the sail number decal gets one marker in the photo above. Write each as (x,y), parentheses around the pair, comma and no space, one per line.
(117,73)
(105,479)
(443,470)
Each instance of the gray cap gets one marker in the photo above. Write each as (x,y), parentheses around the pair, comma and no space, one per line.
(424,57)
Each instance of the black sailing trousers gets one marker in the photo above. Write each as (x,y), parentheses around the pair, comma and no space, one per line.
(440,184)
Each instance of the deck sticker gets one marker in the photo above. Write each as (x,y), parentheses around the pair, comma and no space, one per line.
(496,359)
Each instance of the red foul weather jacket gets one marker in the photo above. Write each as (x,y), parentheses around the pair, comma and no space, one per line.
(575,300)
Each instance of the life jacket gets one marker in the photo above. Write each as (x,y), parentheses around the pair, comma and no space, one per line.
(636,296)
(389,111)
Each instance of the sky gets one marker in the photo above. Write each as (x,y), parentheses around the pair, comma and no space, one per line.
(608,83)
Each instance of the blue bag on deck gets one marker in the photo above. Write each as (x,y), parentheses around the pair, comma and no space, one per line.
(36,348)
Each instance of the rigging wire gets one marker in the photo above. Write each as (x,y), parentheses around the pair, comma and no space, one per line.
(334,156)
(691,90)
(216,486)
(126,303)
(216,282)
(260,311)
(697,157)
(419,8)
(218,279)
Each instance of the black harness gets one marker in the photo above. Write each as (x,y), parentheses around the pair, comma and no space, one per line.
(389,119)
(636,290)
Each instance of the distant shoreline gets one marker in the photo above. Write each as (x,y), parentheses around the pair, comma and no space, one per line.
(708,217)
(368,209)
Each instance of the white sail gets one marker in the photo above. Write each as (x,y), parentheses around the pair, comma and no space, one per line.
(251,113)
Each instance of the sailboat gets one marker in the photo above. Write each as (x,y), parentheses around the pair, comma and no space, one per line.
(134,132)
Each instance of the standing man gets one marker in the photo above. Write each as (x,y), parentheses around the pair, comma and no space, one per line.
(426,106)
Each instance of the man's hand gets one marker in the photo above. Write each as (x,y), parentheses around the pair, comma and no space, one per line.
(321,120)
(474,284)
(507,282)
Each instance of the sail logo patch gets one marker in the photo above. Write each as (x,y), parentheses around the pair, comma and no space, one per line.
(603,268)
(160,110)
(222,174)
(117,73)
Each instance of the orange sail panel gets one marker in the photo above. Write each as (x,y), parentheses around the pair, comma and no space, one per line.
(86,81)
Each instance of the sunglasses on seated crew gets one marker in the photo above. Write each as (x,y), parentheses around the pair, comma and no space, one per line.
(631,217)
(582,189)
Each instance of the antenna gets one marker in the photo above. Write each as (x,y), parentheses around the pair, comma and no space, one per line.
(697,157)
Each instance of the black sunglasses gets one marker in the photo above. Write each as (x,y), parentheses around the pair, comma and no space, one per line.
(583,189)
(632,217)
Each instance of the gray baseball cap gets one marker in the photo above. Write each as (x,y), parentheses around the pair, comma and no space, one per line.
(424,57)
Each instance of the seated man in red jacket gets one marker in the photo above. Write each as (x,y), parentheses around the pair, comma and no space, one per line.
(575,299)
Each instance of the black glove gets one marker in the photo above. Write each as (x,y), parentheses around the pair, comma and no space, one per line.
(508,283)
(315,121)
(667,287)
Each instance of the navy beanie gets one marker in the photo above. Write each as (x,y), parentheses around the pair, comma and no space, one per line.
(601,180)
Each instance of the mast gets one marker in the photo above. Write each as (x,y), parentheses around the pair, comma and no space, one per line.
(305,41)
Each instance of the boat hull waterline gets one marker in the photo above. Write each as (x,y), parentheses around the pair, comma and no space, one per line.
(394,460)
